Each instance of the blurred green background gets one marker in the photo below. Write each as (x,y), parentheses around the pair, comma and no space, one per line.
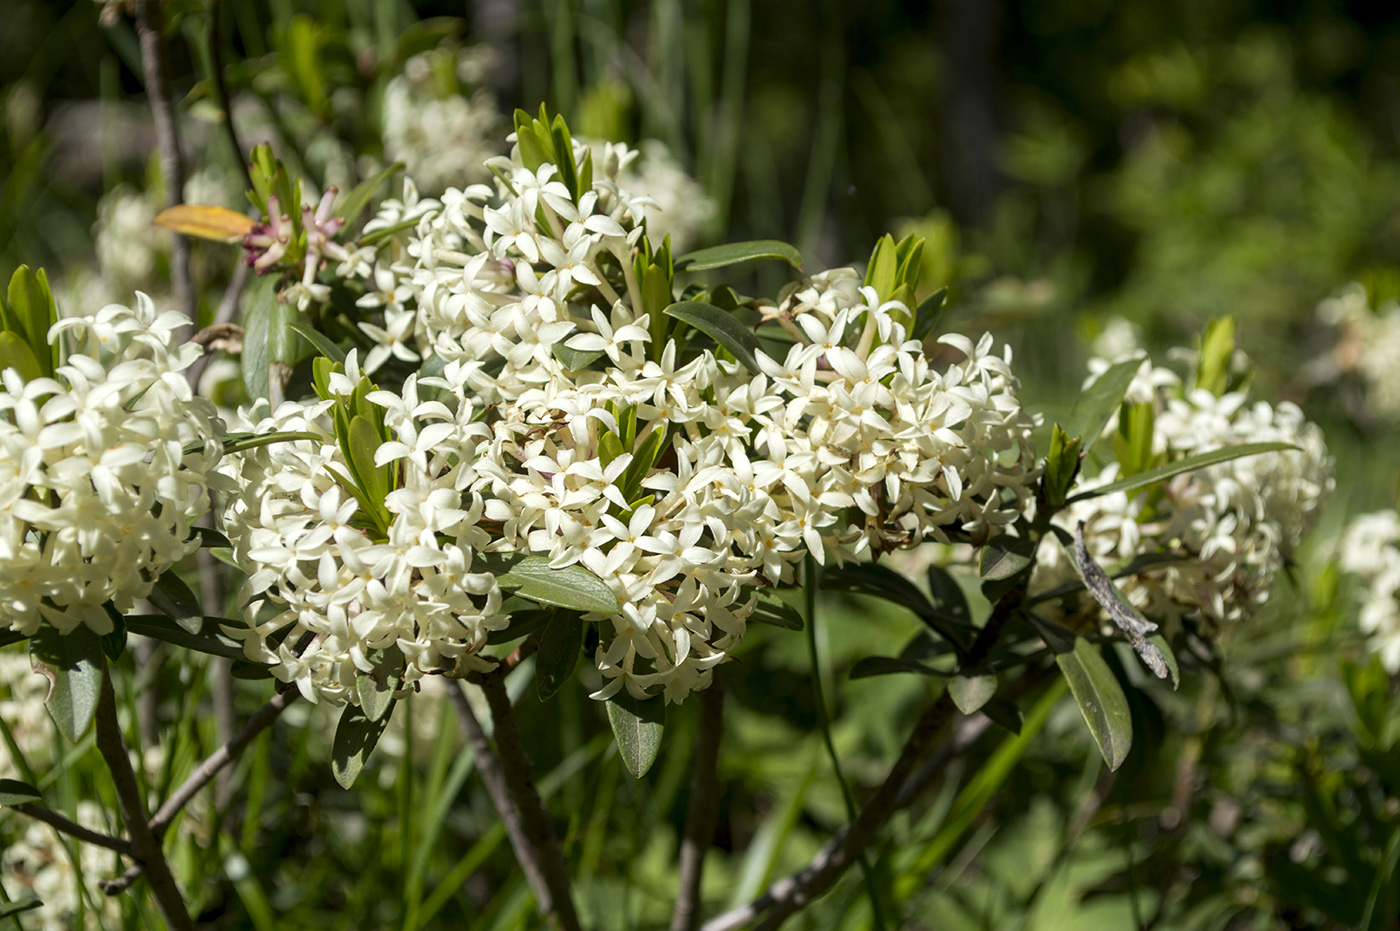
(1071,162)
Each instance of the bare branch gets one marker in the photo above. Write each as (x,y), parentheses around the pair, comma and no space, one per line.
(73,829)
(145,845)
(700,812)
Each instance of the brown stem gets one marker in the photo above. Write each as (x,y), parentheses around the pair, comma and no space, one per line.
(534,817)
(145,845)
(73,829)
(700,812)
(228,753)
(494,777)
(794,892)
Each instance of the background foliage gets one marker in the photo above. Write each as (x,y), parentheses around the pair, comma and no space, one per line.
(1068,161)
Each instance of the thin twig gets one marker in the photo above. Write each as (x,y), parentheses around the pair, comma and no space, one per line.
(792,893)
(489,766)
(172,160)
(228,753)
(145,845)
(216,61)
(88,836)
(534,817)
(700,812)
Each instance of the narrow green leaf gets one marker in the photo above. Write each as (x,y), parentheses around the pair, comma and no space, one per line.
(929,313)
(868,666)
(355,738)
(1217,346)
(1189,464)
(948,595)
(881,582)
(736,252)
(14,792)
(18,907)
(267,337)
(775,611)
(722,328)
(1005,556)
(1061,466)
(522,623)
(1003,711)
(1128,618)
(210,538)
(73,664)
(573,587)
(638,725)
(319,340)
(174,598)
(1100,699)
(363,442)
(880,272)
(16,354)
(1098,402)
(207,639)
(351,205)
(377,689)
(31,304)
(558,653)
(575,360)
(243,669)
(379,235)
(114,641)
(970,693)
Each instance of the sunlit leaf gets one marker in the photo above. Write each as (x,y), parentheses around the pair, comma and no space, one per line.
(736,252)
(376,689)
(1005,556)
(970,693)
(205,221)
(638,725)
(1098,402)
(174,598)
(572,587)
(319,340)
(1100,699)
(352,204)
(775,611)
(73,664)
(355,738)
(1189,464)
(722,327)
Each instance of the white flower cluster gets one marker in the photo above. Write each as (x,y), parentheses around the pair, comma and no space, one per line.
(1368,344)
(343,593)
(1370,550)
(442,135)
(1235,523)
(97,495)
(679,208)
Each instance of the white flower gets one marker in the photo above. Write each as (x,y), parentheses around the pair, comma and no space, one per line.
(1370,550)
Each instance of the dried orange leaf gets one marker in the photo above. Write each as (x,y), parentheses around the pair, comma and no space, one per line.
(205,221)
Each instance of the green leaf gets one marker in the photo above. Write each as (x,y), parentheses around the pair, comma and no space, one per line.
(73,664)
(377,688)
(1189,464)
(575,360)
(114,641)
(207,639)
(355,737)
(1128,618)
(351,205)
(31,306)
(319,340)
(868,666)
(880,272)
(1217,346)
(174,598)
(722,328)
(1132,444)
(521,624)
(18,906)
(558,653)
(16,354)
(239,442)
(14,792)
(572,587)
(383,233)
(638,725)
(243,669)
(1100,699)
(210,538)
(363,442)
(775,611)
(1369,688)
(1061,466)
(1005,556)
(948,595)
(736,252)
(881,582)
(1003,711)
(267,338)
(930,311)
(1098,402)
(970,693)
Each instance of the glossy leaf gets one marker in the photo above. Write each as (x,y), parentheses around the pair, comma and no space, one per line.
(267,338)
(929,313)
(319,340)
(175,599)
(522,623)
(558,653)
(205,221)
(1061,466)
(881,582)
(1189,464)
(575,360)
(74,666)
(738,252)
(1100,699)
(206,639)
(572,587)
(1004,557)
(1128,618)
(351,205)
(377,689)
(868,666)
(775,611)
(722,327)
(1098,402)
(237,443)
(210,538)
(30,308)
(638,725)
(16,354)
(1003,712)
(970,693)
(948,595)
(355,739)
(14,792)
